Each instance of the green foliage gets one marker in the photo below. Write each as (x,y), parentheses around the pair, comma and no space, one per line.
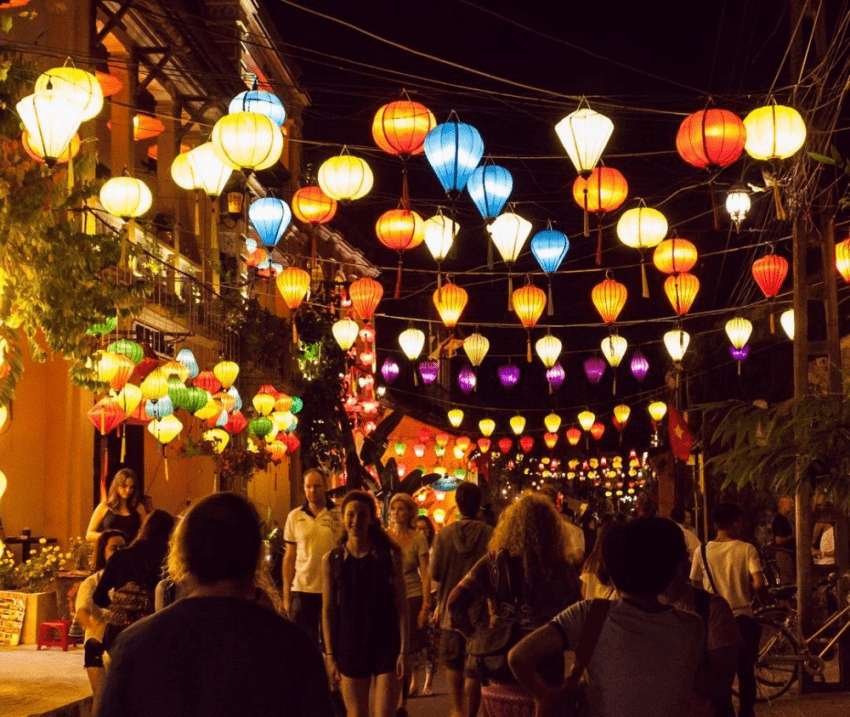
(766,447)
(36,574)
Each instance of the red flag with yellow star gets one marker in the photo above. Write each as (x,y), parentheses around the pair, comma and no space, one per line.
(681,438)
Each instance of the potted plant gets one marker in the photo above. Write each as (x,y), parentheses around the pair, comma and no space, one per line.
(35,581)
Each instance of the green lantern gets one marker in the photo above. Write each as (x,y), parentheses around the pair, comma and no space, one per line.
(297,405)
(261,427)
(107,327)
(195,399)
(177,392)
(130,349)
(400,448)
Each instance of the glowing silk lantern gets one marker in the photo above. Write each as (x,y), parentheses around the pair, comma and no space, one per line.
(786,319)
(277,451)
(505,444)
(573,435)
(442,439)
(218,437)
(603,190)
(597,430)
(165,429)
(657,410)
(739,354)
(639,365)
(549,248)
(345,178)
(419,450)
(72,150)
(206,171)
(609,298)
(526,443)
(555,376)
(552,422)
(486,426)
(345,332)
(400,230)
(312,206)
(106,415)
(195,399)
(489,187)
(681,291)
(476,347)
(677,342)
(389,370)
(508,375)
(76,85)
(237,399)
(622,413)
(259,102)
(400,448)
(429,371)
(711,138)
(187,359)
(594,369)
(450,300)
(226,373)
(236,423)
(550,439)
(293,284)
(548,348)
(842,259)
(483,444)
(105,364)
(739,330)
(466,379)
(517,424)
(738,205)
(51,120)
(176,369)
(365,296)
(177,392)
(642,228)
(260,427)
(399,128)
(270,217)
(129,398)
(462,442)
(125,197)
(211,409)
(769,272)
(509,233)
(206,380)
(675,256)
(614,349)
(584,134)
(439,232)
(528,304)
(155,386)
(455,417)
(586,419)
(247,141)
(453,149)
(263,404)
(412,341)
(774,132)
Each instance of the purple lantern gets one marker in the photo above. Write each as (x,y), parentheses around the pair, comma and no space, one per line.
(594,368)
(466,379)
(509,375)
(429,370)
(639,365)
(555,376)
(739,354)
(389,370)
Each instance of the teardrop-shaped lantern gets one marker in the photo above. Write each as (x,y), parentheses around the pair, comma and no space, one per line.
(681,291)
(549,247)
(476,347)
(345,332)
(51,119)
(270,217)
(263,404)
(613,349)
(293,284)
(548,348)
(586,419)
(609,298)
(573,435)
(483,445)
(597,430)
(467,379)
(787,321)
(842,259)
(226,373)
(622,413)
(675,256)
(738,205)
(412,341)
(528,303)
(551,440)
(259,102)
(439,232)
(642,228)
(489,187)
(711,138)
(399,128)
(769,272)
(400,229)
(211,174)
(187,359)
(517,424)
(365,295)
(129,398)
(125,197)
(526,443)
(739,330)
(774,132)
(345,178)
(450,301)
(389,370)
(428,370)
(453,150)
(552,421)
(594,369)
(312,206)
(657,410)
(247,141)
(677,342)
(79,86)
(509,233)
(486,426)
(584,134)
(455,417)
(639,366)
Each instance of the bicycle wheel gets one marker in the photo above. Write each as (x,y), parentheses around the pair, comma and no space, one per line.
(775,672)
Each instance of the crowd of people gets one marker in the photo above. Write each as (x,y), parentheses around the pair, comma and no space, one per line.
(185,617)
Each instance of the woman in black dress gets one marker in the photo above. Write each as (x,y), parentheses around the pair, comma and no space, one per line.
(121,509)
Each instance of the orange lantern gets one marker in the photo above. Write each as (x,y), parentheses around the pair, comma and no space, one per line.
(144,127)
(462,442)
(126,367)
(365,295)
(72,150)
(450,301)
(106,415)
(399,128)
(842,259)
(769,272)
(109,84)
(711,138)
(573,435)
(312,206)
(675,256)
(483,444)
(609,298)
(441,439)
(603,190)
(597,430)
(550,439)
(277,451)
(681,291)
(400,230)
(528,303)
(293,284)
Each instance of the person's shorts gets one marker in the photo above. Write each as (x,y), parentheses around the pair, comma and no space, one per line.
(452,649)
(360,666)
(93,653)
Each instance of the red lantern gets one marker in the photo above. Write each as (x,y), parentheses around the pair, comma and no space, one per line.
(236,423)
(399,128)
(573,435)
(505,444)
(711,138)
(609,298)
(550,439)
(266,389)
(769,272)
(312,206)
(148,363)
(483,444)
(681,291)
(526,443)
(365,295)
(207,381)
(106,415)
(424,435)
(292,443)
(842,259)
(597,430)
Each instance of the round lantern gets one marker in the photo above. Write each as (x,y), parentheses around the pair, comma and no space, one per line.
(517,424)
(165,429)
(195,399)
(573,435)
(399,128)
(774,132)
(72,150)
(293,284)
(261,103)
(450,301)
(711,138)
(657,410)
(594,369)
(128,348)
(260,427)
(622,413)
(439,233)
(739,330)
(552,422)
(247,141)
(51,119)
(389,370)
(206,380)
(681,291)
(345,178)
(400,448)
(603,190)
(586,419)
(526,443)
(639,365)
(270,217)
(642,228)
(345,332)
(365,295)
(738,205)
(476,347)
(489,187)
(109,84)
(486,426)
(508,375)
(76,85)
(155,386)
(209,410)
(105,364)
(842,259)
(312,206)
(277,450)
(584,134)
(509,233)
(467,380)
(548,348)
(429,371)
(210,174)
(677,342)
(462,442)
(455,417)
(505,444)
(597,430)
(609,298)
(412,341)
(550,439)
(675,256)
(769,272)
(453,149)
(400,229)
(787,321)
(125,197)
(226,373)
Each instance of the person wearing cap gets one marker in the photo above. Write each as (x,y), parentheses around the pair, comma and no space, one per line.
(417,580)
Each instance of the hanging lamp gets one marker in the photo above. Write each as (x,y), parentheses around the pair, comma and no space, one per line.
(786,319)
(489,188)
(604,190)
(548,348)
(270,217)
(552,421)
(345,332)
(738,205)
(681,292)
(642,228)
(594,369)
(614,349)
(675,256)
(412,341)
(400,230)
(509,232)
(486,426)
(450,300)
(51,119)
(676,342)
(455,417)
(247,141)
(609,298)
(312,206)
(476,347)
(345,178)
(549,248)
(842,259)
(528,304)
(453,149)
(79,86)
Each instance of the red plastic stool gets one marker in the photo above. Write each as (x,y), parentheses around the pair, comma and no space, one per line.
(47,634)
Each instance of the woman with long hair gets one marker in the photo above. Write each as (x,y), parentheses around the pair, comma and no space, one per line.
(121,509)
(425,527)
(526,578)
(595,581)
(364,610)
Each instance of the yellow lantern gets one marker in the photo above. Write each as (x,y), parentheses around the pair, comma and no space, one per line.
(458,452)
(787,321)
(218,437)
(165,429)
(439,516)
(552,422)
(584,134)
(183,172)
(412,341)
(586,419)
(455,417)
(774,132)
(642,228)
(282,420)
(517,424)
(226,373)
(129,398)
(842,259)
(450,301)
(345,332)
(738,330)
(509,233)
(614,348)
(263,403)
(51,119)
(486,426)
(293,284)
(175,368)
(345,178)
(210,409)
(622,413)
(548,348)
(283,403)
(247,140)
(476,347)
(440,232)
(677,342)
(126,197)
(657,410)
(155,385)
(79,86)
(106,365)
(681,291)
(209,172)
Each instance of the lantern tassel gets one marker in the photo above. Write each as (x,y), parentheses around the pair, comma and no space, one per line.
(510,291)
(714,205)
(165,461)
(739,368)
(586,215)
(397,293)
(69,185)
(550,309)
(294,331)
(777,200)
(772,324)
(128,227)
(644,282)
(104,467)
(197,214)
(599,244)
(614,388)
(123,445)
(490,255)
(528,348)
(405,192)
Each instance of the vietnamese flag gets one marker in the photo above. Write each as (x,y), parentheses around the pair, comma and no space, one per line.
(681,438)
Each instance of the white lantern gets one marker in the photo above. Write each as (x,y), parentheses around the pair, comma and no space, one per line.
(509,233)
(51,119)
(642,228)
(738,205)
(211,174)
(548,349)
(787,321)
(126,197)
(614,348)
(183,172)
(440,232)
(476,347)
(774,132)
(677,342)
(247,140)
(412,341)
(345,332)
(79,86)
(584,134)
(738,330)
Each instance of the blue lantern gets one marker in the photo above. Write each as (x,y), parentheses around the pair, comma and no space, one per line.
(261,103)
(160,408)
(453,150)
(237,406)
(549,248)
(270,217)
(188,360)
(489,187)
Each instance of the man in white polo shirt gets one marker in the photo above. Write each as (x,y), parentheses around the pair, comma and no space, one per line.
(309,533)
